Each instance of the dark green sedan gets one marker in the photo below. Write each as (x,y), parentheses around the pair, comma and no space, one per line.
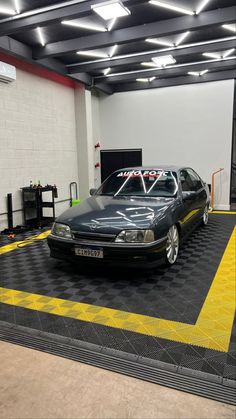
(137,217)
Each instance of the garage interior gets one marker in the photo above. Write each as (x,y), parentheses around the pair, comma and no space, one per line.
(80,97)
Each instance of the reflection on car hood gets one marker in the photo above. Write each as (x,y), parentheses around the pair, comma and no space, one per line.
(105,214)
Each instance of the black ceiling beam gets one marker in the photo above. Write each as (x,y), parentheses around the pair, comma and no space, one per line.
(17,23)
(198,49)
(84,78)
(16,48)
(52,64)
(19,50)
(176,81)
(174,71)
(161,28)
(104,88)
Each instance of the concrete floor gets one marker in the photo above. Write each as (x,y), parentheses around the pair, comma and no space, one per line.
(37,385)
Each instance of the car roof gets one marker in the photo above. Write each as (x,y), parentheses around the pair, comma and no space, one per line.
(172,168)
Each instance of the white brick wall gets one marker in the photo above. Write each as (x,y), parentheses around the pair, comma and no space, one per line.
(37,138)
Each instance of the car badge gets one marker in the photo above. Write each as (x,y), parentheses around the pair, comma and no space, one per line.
(93,226)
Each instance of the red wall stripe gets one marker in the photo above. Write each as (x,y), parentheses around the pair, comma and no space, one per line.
(38,71)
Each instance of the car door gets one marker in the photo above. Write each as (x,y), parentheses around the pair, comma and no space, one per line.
(190,200)
(201,193)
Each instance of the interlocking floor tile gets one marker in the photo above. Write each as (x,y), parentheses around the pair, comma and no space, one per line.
(176,294)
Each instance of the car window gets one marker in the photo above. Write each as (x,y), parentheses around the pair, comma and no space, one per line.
(190,181)
(195,179)
(156,183)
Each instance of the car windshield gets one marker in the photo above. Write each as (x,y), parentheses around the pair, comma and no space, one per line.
(153,182)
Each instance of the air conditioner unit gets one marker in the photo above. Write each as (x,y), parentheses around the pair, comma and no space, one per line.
(7,72)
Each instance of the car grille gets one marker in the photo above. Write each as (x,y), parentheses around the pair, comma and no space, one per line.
(93,237)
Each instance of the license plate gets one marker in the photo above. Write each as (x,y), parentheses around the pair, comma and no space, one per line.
(88,252)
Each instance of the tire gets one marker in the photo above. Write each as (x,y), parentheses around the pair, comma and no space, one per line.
(205,216)
(172,245)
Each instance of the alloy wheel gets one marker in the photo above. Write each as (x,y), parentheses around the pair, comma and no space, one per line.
(205,216)
(172,245)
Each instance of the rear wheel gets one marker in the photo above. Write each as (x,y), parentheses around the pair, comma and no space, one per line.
(205,216)
(172,245)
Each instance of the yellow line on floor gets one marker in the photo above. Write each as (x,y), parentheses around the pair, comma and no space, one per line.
(23,243)
(222,212)
(212,329)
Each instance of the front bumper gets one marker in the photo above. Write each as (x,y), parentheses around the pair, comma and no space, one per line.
(119,254)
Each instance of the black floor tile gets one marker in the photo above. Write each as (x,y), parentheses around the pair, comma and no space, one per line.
(177,293)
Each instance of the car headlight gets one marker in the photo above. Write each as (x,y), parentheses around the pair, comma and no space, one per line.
(135,236)
(61,230)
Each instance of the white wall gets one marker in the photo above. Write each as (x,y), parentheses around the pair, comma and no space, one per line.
(37,138)
(189,125)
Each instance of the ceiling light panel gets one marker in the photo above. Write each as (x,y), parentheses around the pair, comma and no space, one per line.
(146,80)
(83,25)
(95,54)
(149,64)
(108,53)
(41,36)
(113,50)
(17,6)
(203,72)
(231,27)
(197,73)
(212,55)
(160,41)
(201,6)
(166,42)
(112,24)
(163,61)
(182,38)
(194,73)
(229,52)
(220,54)
(171,6)
(110,9)
(6,11)
(106,71)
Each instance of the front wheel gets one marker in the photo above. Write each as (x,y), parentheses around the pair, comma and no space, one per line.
(205,216)
(172,245)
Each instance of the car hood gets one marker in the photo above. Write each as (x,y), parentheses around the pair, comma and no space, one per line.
(109,215)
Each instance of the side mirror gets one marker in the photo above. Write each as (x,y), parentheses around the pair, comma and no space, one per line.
(188,196)
(92,191)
